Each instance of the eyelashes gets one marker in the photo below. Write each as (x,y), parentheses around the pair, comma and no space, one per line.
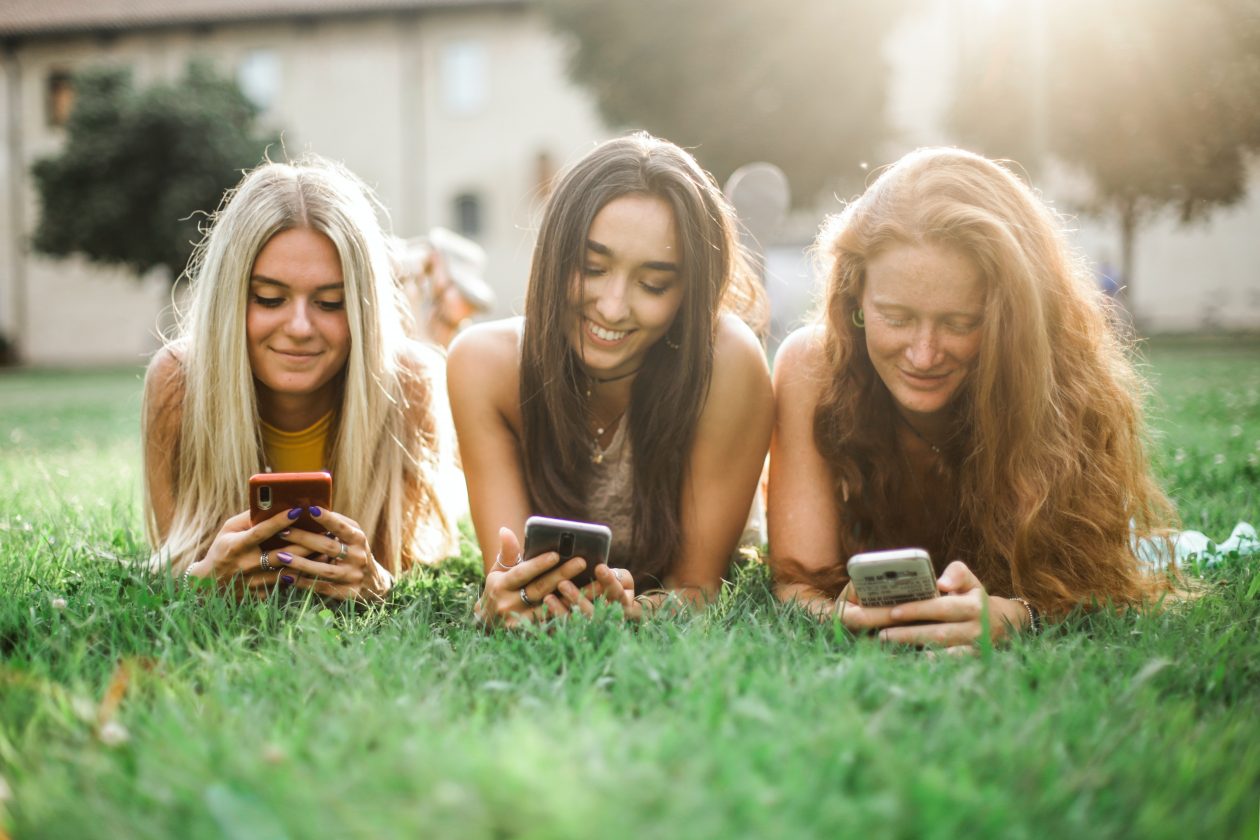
(276,302)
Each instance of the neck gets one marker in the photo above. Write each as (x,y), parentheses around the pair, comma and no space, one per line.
(293,412)
(932,431)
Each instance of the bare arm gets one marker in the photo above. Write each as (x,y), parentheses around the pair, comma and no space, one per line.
(160,429)
(801,510)
(483,372)
(725,462)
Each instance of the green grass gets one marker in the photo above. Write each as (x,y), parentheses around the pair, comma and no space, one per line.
(136,710)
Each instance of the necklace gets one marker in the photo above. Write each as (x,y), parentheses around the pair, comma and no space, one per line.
(597,452)
(918,434)
(617,378)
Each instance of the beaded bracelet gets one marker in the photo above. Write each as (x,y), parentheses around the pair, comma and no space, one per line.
(1034,617)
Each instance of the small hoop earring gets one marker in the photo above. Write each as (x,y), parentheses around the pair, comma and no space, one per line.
(859,318)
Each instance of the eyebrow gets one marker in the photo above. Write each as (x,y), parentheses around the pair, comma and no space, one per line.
(656,265)
(271,281)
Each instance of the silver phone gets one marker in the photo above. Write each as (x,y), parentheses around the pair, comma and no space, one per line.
(569,538)
(886,578)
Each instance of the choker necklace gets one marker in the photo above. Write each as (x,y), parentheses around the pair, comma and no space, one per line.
(597,381)
(918,434)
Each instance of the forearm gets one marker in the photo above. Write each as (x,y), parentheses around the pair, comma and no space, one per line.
(813,600)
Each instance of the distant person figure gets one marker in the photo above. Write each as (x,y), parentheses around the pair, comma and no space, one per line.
(293,357)
(443,276)
(631,393)
(962,392)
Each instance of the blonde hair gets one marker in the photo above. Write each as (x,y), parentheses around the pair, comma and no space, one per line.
(1047,459)
(384,461)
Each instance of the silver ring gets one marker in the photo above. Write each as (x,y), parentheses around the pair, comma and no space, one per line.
(263,562)
(341,555)
(499,564)
(526,600)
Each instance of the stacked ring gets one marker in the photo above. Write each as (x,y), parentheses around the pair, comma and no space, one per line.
(498,561)
(341,555)
(264,563)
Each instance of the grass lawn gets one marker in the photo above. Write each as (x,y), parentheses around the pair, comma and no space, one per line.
(129,709)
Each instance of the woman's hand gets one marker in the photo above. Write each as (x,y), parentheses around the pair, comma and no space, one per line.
(616,586)
(236,553)
(517,590)
(338,564)
(952,621)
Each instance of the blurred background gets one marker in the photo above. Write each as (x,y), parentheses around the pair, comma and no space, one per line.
(122,122)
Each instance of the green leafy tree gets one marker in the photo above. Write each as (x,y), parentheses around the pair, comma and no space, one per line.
(1157,102)
(801,85)
(139,165)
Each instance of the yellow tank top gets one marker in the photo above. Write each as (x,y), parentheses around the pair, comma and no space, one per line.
(300,451)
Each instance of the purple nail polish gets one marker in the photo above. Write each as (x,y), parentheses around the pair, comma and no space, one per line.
(314,510)
(287,579)
(284,556)
(295,513)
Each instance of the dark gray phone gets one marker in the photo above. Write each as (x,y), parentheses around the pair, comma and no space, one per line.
(569,538)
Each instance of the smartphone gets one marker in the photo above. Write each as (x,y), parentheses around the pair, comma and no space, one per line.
(270,493)
(569,538)
(886,578)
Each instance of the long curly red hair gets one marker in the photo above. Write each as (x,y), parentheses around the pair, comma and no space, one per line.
(1048,462)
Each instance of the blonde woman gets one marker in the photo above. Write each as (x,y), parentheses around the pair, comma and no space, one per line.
(963,392)
(292,357)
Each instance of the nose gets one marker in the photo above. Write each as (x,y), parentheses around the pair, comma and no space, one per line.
(610,301)
(924,351)
(298,324)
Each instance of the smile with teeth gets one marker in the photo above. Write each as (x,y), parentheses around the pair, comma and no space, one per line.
(605,335)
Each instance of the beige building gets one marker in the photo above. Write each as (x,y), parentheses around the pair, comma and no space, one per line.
(456,111)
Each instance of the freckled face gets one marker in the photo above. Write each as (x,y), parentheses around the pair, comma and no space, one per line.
(295,320)
(923,305)
(630,288)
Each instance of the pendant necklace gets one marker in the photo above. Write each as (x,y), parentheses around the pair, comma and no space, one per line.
(918,434)
(597,452)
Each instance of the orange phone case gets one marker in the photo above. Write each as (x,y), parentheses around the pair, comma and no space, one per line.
(270,493)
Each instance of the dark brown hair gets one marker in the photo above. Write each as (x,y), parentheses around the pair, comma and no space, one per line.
(669,392)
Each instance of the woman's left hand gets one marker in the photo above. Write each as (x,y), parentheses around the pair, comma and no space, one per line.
(341,565)
(953,619)
(616,586)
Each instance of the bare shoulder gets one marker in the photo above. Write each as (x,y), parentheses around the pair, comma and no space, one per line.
(800,366)
(493,346)
(738,358)
(485,359)
(164,383)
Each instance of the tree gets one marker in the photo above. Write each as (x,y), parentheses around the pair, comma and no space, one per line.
(801,85)
(138,166)
(1155,101)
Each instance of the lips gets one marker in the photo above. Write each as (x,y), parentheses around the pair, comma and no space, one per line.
(925,381)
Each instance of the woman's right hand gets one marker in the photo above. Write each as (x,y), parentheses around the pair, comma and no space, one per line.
(517,590)
(236,551)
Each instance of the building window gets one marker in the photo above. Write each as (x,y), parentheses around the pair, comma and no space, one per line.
(469,219)
(60,99)
(258,76)
(465,76)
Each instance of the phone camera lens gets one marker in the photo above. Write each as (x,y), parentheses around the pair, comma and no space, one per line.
(566,544)
(264,497)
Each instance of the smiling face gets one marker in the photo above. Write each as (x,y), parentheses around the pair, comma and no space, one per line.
(923,305)
(630,286)
(295,323)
